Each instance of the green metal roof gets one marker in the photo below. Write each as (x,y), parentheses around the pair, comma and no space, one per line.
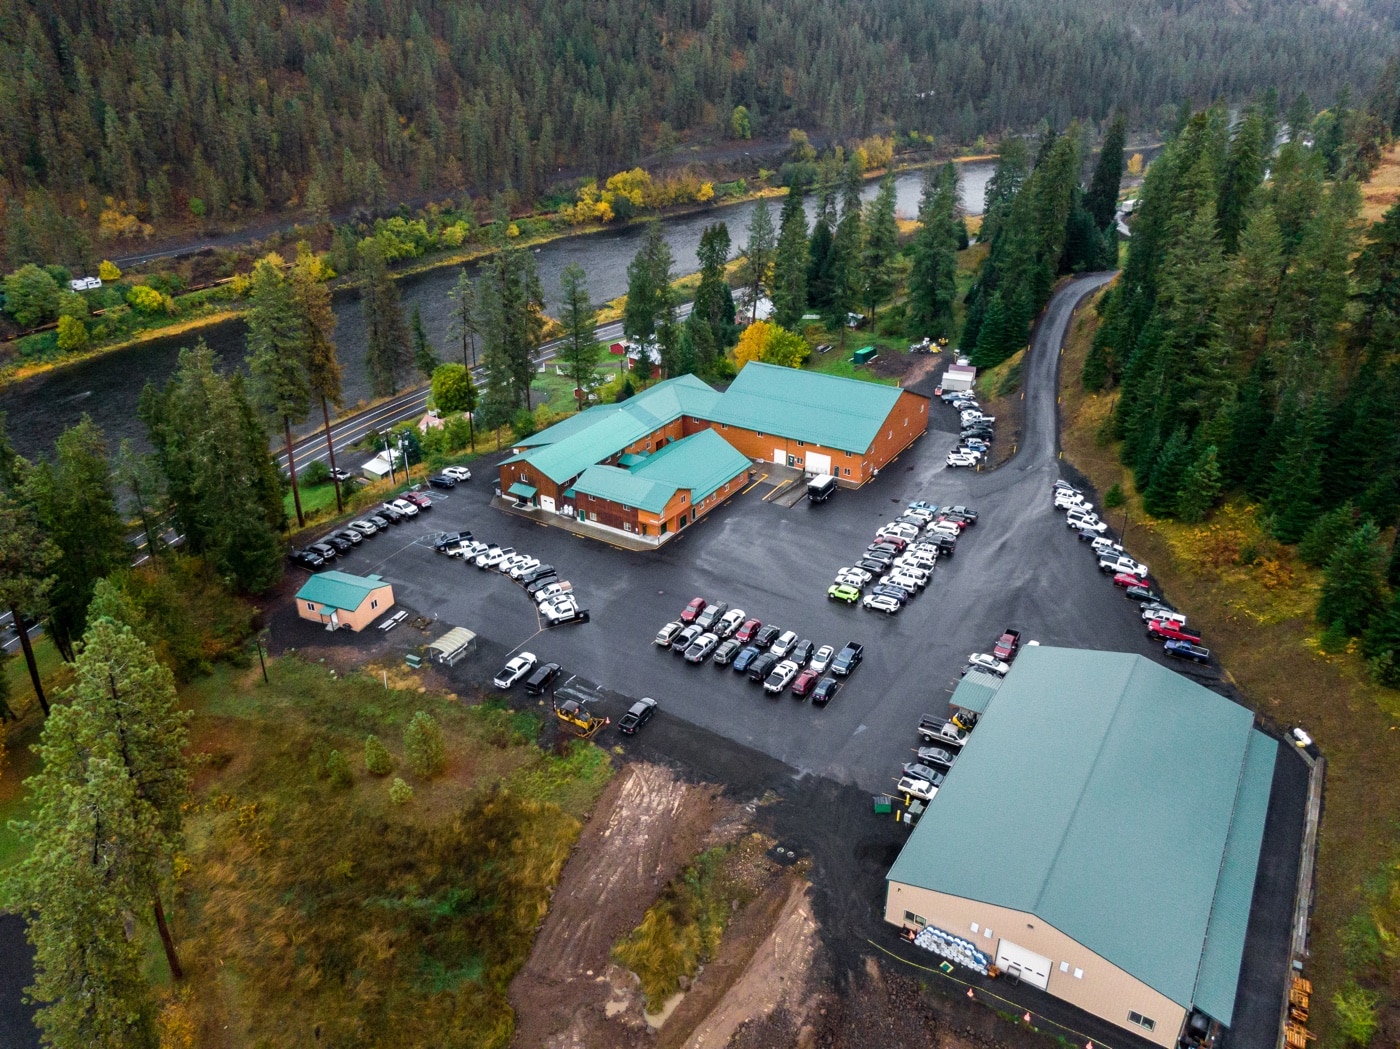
(622,486)
(1105,791)
(701,462)
(523,490)
(975,691)
(1218,978)
(567,448)
(806,406)
(339,590)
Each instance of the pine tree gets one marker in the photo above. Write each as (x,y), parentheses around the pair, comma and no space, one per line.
(425,358)
(277,356)
(74,500)
(650,299)
(1094,375)
(510,305)
(933,277)
(424,747)
(714,302)
(387,352)
(756,259)
(993,334)
(28,564)
(1101,201)
(1168,472)
(790,261)
(1244,170)
(464,318)
(1200,488)
(819,257)
(377,760)
(881,245)
(580,350)
(312,296)
(1353,586)
(1381,644)
(1326,535)
(846,245)
(1295,489)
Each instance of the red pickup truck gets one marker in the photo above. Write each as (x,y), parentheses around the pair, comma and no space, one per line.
(1007,645)
(1164,630)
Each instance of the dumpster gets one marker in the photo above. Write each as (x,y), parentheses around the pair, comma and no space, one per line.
(864,355)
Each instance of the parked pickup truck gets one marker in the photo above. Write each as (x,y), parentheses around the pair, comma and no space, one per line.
(1165,630)
(941,731)
(1007,645)
(1186,650)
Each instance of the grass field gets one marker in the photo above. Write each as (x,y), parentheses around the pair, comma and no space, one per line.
(1383,189)
(1254,601)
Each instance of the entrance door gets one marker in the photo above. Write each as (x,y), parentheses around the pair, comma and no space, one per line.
(779,456)
(1029,966)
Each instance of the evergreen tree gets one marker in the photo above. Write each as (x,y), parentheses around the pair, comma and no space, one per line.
(1295,492)
(756,260)
(29,561)
(1094,375)
(312,297)
(819,256)
(1169,471)
(75,503)
(649,294)
(1244,171)
(424,748)
(791,260)
(881,245)
(580,350)
(387,352)
(1200,488)
(1326,535)
(994,334)
(714,302)
(933,277)
(464,319)
(1101,201)
(510,304)
(1353,587)
(223,485)
(277,357)
(846,245)
(425,358)
(1382,644)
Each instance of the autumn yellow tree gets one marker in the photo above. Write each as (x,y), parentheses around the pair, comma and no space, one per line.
(752,343)
(771,344)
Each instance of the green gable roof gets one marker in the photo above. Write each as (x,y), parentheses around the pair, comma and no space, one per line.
(701,463)
(339,590)
(806,406)
(975,691)
(1106,793)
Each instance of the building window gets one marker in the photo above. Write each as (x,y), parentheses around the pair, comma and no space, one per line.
(802,444)
(915,919)
(311,606)
(590,499)
(848,455)
(847,471)
(1079,974)
(1145,1022)
(374,603)
(724,426)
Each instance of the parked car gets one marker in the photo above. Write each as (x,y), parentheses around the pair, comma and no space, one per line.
(327,552)
(767,635)
(442,481)
(1155,611)
(549,589)
(447,540)
(780,677)
(961,459)
(803,684)
(685,637)
(821,659)
(881,603)
(457,473)
(848,658)
(711,613)
(920,504)
(336,541)
(1104,546)
(1113,565)
(542,678)
(365,527)
(730,622)
(919,770)
(393,513)
(761,666)
(340,476)
(308,559)
(939,757)
(744,658)
(872,566)
(519,565)
(505,564)
(637,715)
(825,691)
(419,499)
(801,652)
(725,653)
(701,648)
(380,519)
(983,661)
(1138,592)
(536,575)
(516,668)
(668,633)
(918,788)
(749,630)
(1187,650)
(891,590)
(843,592)
(404,507)
(696,606)
(1161,630)
(492,556)
(852,577)
(1126,579)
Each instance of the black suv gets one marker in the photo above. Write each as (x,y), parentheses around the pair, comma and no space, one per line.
(637,716)
(543,677)
(766,636)
(308,559)
(441,481)
(847,659)
(825,691)
(759,668)
(536,574)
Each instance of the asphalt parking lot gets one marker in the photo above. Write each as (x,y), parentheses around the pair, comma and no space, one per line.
(1019,566)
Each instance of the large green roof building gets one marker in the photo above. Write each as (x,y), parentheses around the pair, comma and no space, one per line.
(1100,836)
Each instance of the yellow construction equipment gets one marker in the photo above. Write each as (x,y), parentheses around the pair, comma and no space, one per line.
(582,723)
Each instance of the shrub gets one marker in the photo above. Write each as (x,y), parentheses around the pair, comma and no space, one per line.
(1114,497)
(1327,533)
(400,793)
(424,746)
(377,760)
(1356,1013)
(316,472)
(144,299)
(338,770)
(72,335)
(108,272)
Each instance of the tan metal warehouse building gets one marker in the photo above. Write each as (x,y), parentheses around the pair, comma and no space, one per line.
(1099,836)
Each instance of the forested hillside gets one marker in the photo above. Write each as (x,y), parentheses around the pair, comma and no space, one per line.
(210,107)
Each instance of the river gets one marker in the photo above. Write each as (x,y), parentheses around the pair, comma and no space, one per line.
(109,387)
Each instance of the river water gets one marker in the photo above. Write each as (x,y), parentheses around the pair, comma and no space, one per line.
(109,387)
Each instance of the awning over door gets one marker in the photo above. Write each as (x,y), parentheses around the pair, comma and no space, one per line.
(522,489)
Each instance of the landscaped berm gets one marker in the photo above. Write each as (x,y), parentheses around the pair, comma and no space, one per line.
(659,461)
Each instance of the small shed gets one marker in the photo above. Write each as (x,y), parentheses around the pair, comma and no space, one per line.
(452,647)
(975,691)
(959,377)
(378,468)
(339,599)
(864,355)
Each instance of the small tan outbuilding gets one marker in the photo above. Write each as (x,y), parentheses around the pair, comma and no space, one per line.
(339,599)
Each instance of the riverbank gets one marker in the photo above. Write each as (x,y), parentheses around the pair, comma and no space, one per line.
(23,369)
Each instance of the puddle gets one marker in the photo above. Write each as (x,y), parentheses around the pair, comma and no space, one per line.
(658,1018)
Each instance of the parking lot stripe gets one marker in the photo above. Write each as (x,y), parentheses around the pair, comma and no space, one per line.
(761,479)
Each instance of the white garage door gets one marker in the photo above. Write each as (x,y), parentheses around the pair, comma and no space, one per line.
(818,464)
(1032,967)
(780,456)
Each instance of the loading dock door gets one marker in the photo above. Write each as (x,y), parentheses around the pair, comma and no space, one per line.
(779,456)
(1033,968)
(818,463)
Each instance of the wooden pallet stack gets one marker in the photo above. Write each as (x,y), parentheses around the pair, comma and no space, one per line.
(1295,1032)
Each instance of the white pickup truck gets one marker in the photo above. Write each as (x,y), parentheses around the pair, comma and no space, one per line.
(941,731)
